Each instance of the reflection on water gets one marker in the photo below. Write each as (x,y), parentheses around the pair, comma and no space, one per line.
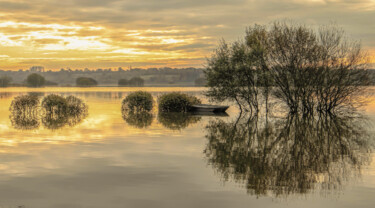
(57,121)
(158,160)
(138,119)
(292,155)
(57,111)
(177,121)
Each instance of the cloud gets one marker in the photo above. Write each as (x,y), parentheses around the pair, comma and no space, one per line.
(158,30)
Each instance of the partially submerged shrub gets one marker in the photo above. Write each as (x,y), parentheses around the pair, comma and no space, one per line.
(139,120)
(24,112)
(177,102)
(139,101)
(54,104)
(25,104)
(60,111)
(177,120)
(75,105)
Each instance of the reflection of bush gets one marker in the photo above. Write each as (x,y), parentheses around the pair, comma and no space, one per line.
(176,102)
(177,121)
(289,156)
(26,121)
(54,121)
(139,120)
(24,112)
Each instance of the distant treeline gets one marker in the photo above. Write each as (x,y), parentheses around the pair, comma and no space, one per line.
(108,77)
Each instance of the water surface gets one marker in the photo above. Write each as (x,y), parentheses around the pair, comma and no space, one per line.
(105,160)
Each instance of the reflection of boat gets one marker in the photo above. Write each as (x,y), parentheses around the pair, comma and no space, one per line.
(209,113)
(209,108)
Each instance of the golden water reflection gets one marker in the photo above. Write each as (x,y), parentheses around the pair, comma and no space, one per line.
(296,154)
(109,158)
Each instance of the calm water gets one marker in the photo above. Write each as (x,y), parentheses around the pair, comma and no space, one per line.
(183,161)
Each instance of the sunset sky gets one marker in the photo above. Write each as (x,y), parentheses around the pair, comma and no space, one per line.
(154,33)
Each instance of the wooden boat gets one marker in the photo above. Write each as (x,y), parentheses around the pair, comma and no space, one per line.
(209,108)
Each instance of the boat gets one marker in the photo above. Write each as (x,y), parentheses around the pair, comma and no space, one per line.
(208,108)
(208,113)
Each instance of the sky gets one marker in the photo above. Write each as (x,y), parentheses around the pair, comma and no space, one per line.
(154,33)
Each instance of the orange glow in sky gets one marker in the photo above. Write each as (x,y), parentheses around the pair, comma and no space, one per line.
(175,33)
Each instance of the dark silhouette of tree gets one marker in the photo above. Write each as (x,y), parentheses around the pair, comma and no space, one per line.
(35,80)
(86,82)
(5,81)
(200,82)
(123,82)
(305,69)
(136,82)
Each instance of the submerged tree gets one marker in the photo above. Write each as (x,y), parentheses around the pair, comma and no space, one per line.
(306,69)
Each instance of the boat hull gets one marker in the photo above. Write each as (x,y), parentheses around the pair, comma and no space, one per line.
(209,108)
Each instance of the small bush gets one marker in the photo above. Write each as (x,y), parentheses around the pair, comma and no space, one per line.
(75,105)
(60,111)
(24,104)
(54,104)
(24,112)
(177,102)
(138,102)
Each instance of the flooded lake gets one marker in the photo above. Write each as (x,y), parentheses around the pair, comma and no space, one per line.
(175,160)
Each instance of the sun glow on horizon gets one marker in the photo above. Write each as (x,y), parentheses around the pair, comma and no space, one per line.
(95,34)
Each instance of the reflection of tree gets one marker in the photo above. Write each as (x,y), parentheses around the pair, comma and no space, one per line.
(24,112)
(177,121)
(141,119)
(292,155)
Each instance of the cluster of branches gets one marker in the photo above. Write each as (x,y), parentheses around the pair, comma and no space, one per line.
(307,69)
